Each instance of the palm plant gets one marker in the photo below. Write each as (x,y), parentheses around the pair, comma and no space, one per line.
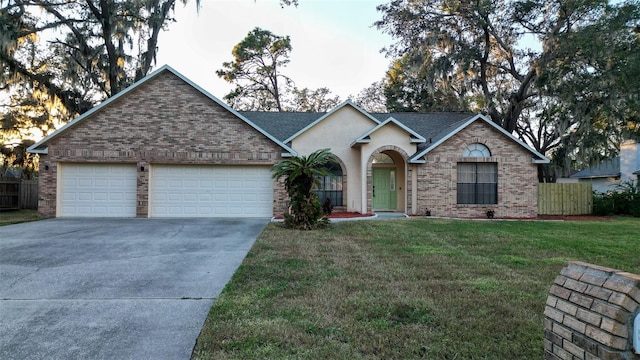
(301,173)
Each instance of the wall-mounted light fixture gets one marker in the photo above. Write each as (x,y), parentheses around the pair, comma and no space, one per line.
(46,167)
(142,168)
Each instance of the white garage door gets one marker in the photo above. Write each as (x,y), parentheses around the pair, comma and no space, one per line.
(211,191)
(98,190)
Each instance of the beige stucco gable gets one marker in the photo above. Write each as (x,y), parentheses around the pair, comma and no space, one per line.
(336,132)
(388,135)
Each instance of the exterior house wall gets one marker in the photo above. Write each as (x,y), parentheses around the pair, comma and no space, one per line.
(517,176)
(162,121)
(629,160)
(336,132)
(602,184)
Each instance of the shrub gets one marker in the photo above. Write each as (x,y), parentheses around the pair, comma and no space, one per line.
(300,174)
(624,201)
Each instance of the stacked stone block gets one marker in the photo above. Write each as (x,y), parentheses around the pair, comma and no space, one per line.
(589,314)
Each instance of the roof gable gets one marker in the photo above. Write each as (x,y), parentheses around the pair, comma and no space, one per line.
(457,127)
(365,138)
(326,115)
(41,146)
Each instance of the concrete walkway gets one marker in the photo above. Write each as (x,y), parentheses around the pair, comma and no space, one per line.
(114,289)
(390,215)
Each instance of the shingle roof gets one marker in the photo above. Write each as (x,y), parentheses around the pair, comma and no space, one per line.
(606,168)
(432,126)
(283,125)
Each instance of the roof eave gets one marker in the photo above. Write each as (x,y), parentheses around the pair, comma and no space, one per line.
(541,159)
(34,147)
(97,108)
(599,176)
(360,142)
(42,150)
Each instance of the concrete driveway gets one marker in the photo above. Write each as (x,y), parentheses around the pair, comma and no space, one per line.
(114,289)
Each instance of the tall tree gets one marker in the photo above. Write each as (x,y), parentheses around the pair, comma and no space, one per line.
(309,100)
(590,87)
(256,71)
(61,57)
(372,98)
(473,53)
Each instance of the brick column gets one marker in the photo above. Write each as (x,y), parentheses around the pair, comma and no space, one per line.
(589,314)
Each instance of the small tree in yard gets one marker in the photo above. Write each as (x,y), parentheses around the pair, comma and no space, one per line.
(300,175)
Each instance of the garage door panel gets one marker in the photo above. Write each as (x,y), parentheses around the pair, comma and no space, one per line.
(98,190)
(210,191)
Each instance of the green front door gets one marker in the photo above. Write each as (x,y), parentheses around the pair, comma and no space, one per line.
(384,189)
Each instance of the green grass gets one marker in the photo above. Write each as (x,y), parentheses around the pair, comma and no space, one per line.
(405,289)
(18,216)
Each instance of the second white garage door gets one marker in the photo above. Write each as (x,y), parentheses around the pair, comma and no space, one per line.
(210,191)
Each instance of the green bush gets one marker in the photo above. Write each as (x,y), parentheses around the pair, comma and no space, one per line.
(624,201)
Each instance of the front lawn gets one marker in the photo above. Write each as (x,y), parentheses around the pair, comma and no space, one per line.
(18,216)
(407,288)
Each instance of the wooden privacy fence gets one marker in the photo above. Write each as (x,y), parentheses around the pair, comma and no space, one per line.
(18,194)
(565,199)
(29,194)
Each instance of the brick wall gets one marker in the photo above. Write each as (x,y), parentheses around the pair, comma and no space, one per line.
(517,176)
(589,314)
(163,121)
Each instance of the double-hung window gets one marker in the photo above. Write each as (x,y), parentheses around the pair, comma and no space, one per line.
(477,183)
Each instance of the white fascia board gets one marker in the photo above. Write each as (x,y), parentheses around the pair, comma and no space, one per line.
(360,142)
(34,148)
(233,111)
(340,106)
(414,136)
(44,150)
(540,160)
(445,138)
(417,138)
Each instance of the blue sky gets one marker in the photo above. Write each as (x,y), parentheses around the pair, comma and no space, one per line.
(334,43)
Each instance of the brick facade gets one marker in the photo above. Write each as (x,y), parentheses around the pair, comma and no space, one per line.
(164,120)
(167,120)
(517,176)
(589,314)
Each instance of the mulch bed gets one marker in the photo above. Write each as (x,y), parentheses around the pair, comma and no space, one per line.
(353,215)
(339,215)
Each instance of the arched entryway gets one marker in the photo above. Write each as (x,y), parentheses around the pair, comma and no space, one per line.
(387,180)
